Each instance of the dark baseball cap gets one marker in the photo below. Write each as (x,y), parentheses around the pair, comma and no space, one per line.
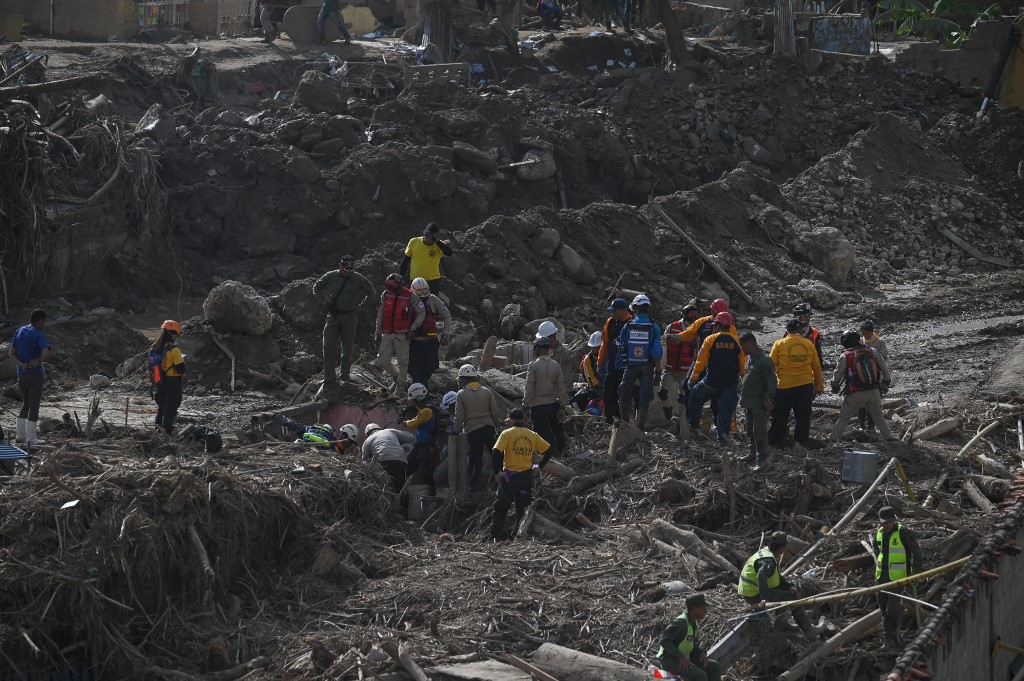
(544,342)
(696,601)
(618,304)
(887,514)
(517,414)
(778,539)
(748,337)
(793,325)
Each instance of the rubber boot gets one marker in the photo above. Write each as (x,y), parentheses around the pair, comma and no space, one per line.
(20,430)
(627,412)
(30,434)
(641,419)
(668,413)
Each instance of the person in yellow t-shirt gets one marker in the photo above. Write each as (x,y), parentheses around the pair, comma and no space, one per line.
(423,257)
(513,457)
(168,366)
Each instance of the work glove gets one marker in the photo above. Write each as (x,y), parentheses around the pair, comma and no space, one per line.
(884,388)
(691,384)
(444,339)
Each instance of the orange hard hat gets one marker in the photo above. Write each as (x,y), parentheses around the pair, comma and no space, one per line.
(171,325)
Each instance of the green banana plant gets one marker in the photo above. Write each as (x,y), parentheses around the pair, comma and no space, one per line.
(937,21)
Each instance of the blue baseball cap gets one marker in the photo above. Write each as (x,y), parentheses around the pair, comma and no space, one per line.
(618,304)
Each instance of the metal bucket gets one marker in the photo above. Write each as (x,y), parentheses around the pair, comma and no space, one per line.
(416,494)
(859,466)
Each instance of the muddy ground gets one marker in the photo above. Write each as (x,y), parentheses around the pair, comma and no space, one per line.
(827,179)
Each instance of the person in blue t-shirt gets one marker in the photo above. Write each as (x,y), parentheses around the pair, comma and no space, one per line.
(29,349)
(639,349)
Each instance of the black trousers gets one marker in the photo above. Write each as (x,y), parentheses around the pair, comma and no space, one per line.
(514,488)
(435,284)
(798,400)
(168,399)
(478,442)
(397,471)
(423,360)
(31,387)
(611,394)
(545,423)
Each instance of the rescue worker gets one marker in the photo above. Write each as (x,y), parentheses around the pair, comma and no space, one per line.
(330,10)
(167,366)
(512,458)
(544,395)
(871,339)
(423,258)
(455,451)
(639,351)
(761,582)
(321,434)
(897,555)
(863,377)
(390,448)
(680,652)
(343,293)
(401,312)
(550,12)
(29,349)
(429,336)
(560,353)
(798,370)
(611,374)
(721,362)
(697,332)
(590,372)
(803,313)
(270,33)
(424,425)
(476,415)
(676,362)
(757,396)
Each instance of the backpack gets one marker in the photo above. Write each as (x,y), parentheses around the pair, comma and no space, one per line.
(638,343)
(208,436)
(155,364)
(862,371)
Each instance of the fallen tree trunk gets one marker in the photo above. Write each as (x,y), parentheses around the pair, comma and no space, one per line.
(974,440)
(993,488)
(623,436)
(51,86)
(572,665)
(555,469)
(938,428)
(535,523)
(399,652)
(854,632)
(669,533)
(582,482)
(977,498)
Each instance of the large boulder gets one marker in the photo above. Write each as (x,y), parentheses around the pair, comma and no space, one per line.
(303,169)
(545,241)
(823,247)
(542,166)
(577,269)
(299,307)
(320,93)
(819,294)
(233,307)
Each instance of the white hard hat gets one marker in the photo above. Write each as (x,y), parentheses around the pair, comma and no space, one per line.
(349,432)
(419,283)
(448,401)
(546,329)
(595,339)
(370,428)
(417,391)
(641,299)
(468,371)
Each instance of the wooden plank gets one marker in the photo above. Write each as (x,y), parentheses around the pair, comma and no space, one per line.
(959,241)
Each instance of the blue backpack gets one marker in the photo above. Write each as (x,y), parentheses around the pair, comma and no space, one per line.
(638,343)
(155,363)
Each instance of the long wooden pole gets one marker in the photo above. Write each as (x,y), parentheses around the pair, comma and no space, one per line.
(854,632)
(700,251)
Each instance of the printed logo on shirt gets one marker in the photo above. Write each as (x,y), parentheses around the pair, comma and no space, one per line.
(431,252)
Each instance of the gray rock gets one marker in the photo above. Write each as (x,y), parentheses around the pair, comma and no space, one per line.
(756,153)
(99,106)
(542,169)
(577,269)
(232,119)
(98,382)
(235,307)
(299,307)
(546,241)
(157,124)
(303,169)
(508,386)
(320,93)
(512,320)
(8,368)
(819,294)
(473,157)
(824,247)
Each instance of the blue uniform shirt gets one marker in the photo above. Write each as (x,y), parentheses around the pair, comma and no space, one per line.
(29,343)
(656,350)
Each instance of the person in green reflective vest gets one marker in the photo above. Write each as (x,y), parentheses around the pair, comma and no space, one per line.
(897,555)
(761,582)
(680,652)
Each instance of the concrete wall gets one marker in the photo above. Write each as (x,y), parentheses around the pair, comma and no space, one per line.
(846,33)
(970,66)
(84,19)
(993,614)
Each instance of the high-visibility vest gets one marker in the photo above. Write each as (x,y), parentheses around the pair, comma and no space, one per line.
(748,586)
(398,314)
(679,356)
(689,641)
(897,555)
(320,436)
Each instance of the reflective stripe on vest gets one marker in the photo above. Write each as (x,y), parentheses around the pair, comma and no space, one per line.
(897,555)
(689,641)
(397,315)
(748,585)
(679,356)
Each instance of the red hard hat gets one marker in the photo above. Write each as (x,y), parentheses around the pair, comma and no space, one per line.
(171,325)
(719,305)
(394,281)
(723,318)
